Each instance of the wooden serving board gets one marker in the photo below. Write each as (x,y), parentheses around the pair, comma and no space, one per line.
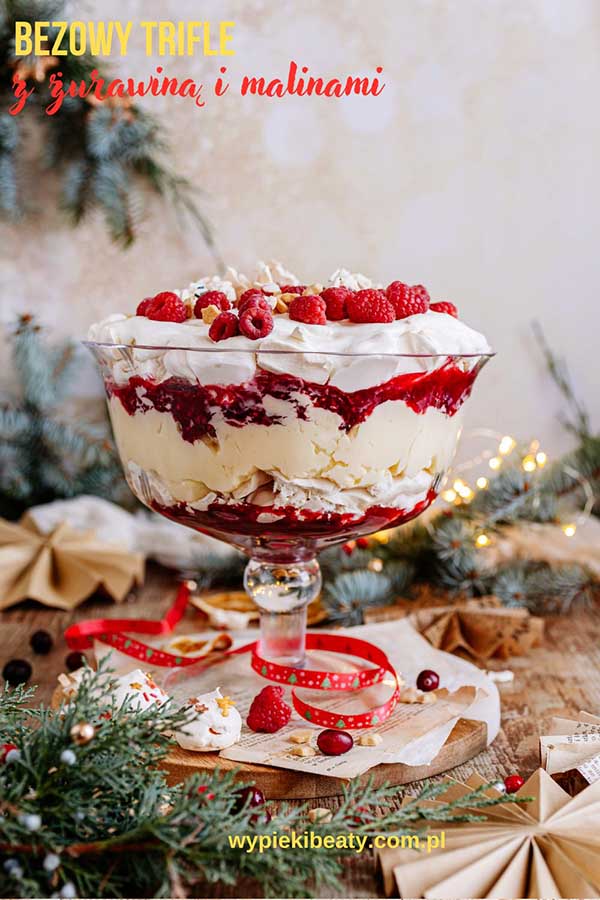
(467,739)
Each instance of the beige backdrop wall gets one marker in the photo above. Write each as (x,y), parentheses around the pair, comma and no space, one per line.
(477,172)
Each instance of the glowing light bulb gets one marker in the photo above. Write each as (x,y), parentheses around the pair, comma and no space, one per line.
(482,540)
(541,459)
(529,464)
(569,529)
(449,496)
(482,483)
(506,445)
(495,463)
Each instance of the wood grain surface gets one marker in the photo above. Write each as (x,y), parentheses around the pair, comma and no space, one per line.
(559,678)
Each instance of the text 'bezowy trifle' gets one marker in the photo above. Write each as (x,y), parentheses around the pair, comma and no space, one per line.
(268,410)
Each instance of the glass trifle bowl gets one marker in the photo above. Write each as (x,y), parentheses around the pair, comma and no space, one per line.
(238,445)
(284,418)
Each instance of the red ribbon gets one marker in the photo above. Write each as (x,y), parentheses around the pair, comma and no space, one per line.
(115,633)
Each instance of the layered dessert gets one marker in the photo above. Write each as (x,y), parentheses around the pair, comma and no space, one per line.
(262,409)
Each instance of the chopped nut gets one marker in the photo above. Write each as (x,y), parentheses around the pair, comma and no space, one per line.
(303,750)
(412,695)
(320,815)
(283,302)
(370,739)
(210,313)
(429,697)
(409,695)
(312,289)
(301,737)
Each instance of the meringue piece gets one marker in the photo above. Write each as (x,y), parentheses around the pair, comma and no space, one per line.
(140,689)
(216,724)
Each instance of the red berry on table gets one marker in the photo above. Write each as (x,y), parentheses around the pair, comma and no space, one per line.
(225,325)
(310,310)
(370,306)
(248,796)
(256,300)
(211,298)
(513,783)
(256,322)
(348,548)
(407,300)
(167,307)
(428,680)
(5,749)
(362,542)
(444,306)
(333,742)
(336,299)
(292,288)
(142,307)
(75,660)
(269,712)
(41,642)
(16,671)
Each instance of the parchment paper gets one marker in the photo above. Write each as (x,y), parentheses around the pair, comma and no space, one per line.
(413,735)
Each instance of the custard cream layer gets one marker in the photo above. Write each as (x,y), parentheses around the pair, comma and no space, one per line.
(391,459)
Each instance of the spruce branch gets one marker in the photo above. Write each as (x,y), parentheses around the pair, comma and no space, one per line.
(115,828)
(104,152)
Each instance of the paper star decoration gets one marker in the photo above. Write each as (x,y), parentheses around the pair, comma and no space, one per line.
(480,629)
(62,568)
(549,847)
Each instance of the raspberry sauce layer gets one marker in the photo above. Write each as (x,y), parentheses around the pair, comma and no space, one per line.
(247,520)
(194,405)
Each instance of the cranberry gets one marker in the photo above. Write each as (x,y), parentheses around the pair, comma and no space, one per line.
(75,660)
(428,680)
(41,642)
(250,795)
(513,783)
(333,742)
(16,671)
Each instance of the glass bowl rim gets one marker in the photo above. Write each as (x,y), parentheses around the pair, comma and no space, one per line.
(246,350)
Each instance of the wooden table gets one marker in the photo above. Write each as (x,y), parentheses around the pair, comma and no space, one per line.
(559,678)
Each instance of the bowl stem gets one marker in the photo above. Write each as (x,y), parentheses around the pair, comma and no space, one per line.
(282,591)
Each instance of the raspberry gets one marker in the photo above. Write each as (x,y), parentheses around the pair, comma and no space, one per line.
(336,299)
(268,711)
(407,300)
(224,326)
(370,306)
(310,310)
(293,288)
(167,307)
(256,322)
(254,293)
(211,298)
(142,307)
(444,306)
(254,300)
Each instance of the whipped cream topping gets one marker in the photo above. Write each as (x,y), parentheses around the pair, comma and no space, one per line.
(347,355)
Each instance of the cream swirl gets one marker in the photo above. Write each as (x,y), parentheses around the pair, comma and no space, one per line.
(347,355)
